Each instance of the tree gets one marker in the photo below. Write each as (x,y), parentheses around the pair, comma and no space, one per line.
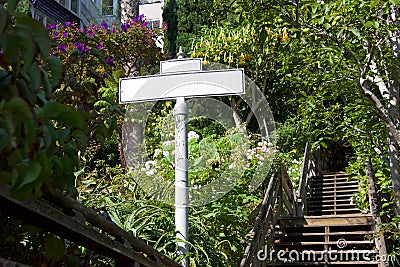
(364,36)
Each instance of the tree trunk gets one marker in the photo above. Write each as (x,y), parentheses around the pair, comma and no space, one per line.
(132,130)
(393,111)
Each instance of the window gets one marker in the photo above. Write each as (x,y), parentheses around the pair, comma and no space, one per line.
(74,6)
(63,2)
(156,24)
(107,7)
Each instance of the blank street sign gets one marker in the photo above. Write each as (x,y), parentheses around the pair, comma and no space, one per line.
(181,65)
(173,85)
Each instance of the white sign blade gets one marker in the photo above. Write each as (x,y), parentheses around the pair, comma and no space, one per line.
(194,84)
(181,65)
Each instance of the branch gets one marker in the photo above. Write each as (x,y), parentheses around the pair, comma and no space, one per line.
(373,143)
(382,112)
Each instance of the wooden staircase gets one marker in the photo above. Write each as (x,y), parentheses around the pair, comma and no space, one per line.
(331,194)
(333,231)
(317,225)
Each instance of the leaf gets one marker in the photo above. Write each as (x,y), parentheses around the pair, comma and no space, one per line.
(29,173)
(11,5)
(10,47)
(34,74)
(355,31)
(37,30)
(54,248)
(27,48)
(4,138)
(369,24)
(56,67)
(3,20)
(63,113)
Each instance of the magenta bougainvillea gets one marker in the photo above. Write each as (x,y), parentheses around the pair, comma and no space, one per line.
(92,54)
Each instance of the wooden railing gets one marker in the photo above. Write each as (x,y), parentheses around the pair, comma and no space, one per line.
(308,170)
(375,208)
(279,200)
(79,227)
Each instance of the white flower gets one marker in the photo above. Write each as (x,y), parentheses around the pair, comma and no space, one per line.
(193,135)
(150,172)
(167,143)
(157,152)
(165,153)
(149,164)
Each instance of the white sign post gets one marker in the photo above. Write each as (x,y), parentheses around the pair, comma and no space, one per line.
(178,79)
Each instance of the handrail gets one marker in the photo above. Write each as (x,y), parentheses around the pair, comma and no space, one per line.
(375,206)
(279,200)
(307,171)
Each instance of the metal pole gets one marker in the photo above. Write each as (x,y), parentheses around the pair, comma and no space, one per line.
(181,174)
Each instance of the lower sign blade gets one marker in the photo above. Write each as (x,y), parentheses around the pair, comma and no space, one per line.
(169,86)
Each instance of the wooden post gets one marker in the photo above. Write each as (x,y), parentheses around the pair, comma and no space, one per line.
(375,207)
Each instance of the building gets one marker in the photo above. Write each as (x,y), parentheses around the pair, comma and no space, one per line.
(152,10)
(87,12)
(83,12)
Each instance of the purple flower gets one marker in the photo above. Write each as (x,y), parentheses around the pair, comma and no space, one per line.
(99,46)
(55,35)
(62,48)
(145,24)
(125,27)
(65,34)
(104,25)
(51,26)
(90,33)
(79,46)
(67,23)
(105,75)
(110,61)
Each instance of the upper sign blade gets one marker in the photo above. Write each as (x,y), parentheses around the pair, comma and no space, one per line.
(181,65)
(193,84)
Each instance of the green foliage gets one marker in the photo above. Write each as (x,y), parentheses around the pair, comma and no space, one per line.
(38,136)
(185,19)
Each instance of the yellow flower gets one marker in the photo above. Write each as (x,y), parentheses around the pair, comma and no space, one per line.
(230,60)
(200,54)
(193,54)
(216,59)
(285,36)
(247,57)
(228,39)
(205,62)
(241,62)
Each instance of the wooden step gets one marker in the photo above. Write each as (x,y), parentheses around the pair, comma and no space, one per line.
(332,182)
(342,200)
(337,264)
(332,187)
(324,204)
(342,196)
(338,192)
(310,243)
(329,234)
(329,220)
